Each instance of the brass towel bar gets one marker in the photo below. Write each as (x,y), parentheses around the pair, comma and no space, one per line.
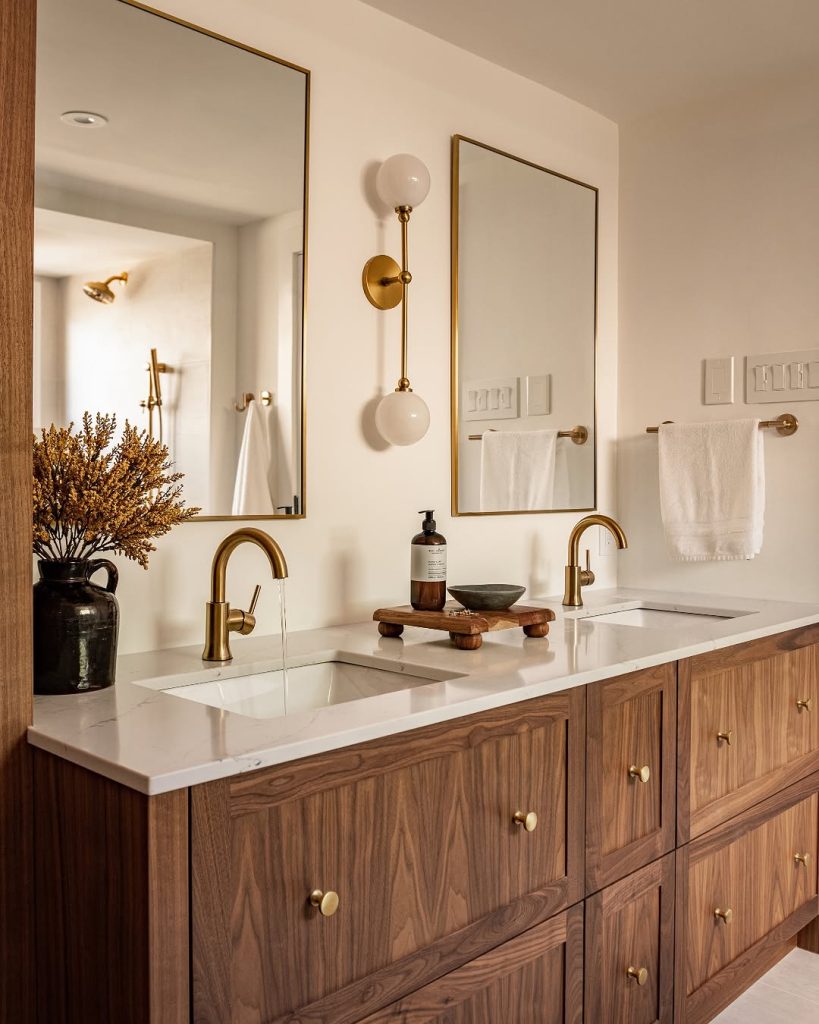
(579,435)
(265,397)
(786,424)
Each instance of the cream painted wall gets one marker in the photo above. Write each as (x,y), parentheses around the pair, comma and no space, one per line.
(719,255)
(381,87)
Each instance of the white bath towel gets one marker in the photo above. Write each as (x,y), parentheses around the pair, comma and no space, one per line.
(712,489)
(517,470)
(251,493)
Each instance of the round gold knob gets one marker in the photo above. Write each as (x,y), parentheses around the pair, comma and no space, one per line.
(804,705)
(529,821)
(802,858)
(724,915)
(325,902)
(643,774)
(726,737)
(639,974)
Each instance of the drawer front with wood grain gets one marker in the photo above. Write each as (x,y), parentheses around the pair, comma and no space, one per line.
(535,978)
(748,726)
(629,965)
(744,890)
(416,836)
(631,773)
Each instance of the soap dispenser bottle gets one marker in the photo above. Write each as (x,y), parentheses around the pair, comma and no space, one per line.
(428,567)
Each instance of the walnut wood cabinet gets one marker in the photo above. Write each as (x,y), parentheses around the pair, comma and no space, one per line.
(562,859)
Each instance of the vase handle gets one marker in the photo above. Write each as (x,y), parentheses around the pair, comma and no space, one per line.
(110,568)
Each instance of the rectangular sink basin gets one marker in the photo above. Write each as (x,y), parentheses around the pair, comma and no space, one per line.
(308,687)
(653,617)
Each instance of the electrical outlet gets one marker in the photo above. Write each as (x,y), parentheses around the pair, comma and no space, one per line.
(605,544)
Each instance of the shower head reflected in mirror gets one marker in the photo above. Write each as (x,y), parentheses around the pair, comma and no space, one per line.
(100,291)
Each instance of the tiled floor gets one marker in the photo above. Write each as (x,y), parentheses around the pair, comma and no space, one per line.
(787,994)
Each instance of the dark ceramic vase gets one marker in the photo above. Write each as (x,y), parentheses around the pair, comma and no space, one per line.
(75,627)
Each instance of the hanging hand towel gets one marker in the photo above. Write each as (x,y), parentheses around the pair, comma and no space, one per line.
(712,489)
(251,494)
(517,470)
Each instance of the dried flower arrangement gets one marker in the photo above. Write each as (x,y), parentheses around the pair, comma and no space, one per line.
(91,496)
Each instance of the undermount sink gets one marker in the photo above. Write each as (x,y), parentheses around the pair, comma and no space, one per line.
(306,688)
(658,617)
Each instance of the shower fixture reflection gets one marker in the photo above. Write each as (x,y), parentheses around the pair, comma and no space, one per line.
(100,291)
(153,403)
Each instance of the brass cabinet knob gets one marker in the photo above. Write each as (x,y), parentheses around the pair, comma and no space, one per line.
(726,737)
(804,705)
(802,858)
(325,902)
(643,774)
(639,974)
(724,915)
(529,821)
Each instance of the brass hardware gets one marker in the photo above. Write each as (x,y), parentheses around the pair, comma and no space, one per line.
(643,774)
(804,705)
(265,397)
(529,821)
(326,903)
(802,858)
(639,974)
(154,399)
(577,578)
(100,291)
(726,737)
(579,435)
(786,425)
(726,916)
(220,619)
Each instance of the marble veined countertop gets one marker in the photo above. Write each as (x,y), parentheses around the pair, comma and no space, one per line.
(155,742)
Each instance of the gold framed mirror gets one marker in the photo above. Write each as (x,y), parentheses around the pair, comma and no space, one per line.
(523,335)
(171,195)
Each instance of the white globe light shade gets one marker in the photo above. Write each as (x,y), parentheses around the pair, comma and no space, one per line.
(402,180)
(402,417)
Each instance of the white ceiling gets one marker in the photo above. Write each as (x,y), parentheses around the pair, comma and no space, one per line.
(628,58)
(193,121)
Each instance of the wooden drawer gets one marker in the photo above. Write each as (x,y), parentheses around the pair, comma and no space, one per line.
(748,726)
(760,871)
(629,965)
(416,835)
(631,724)
(533,979)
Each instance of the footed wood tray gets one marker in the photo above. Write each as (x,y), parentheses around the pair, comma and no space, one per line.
(465,628)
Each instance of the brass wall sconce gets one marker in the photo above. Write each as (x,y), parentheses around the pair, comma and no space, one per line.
(402,182)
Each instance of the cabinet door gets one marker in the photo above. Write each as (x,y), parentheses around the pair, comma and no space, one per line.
(533,979)
(415,835)
(744,890)
(747,726)
(629,964)
(631,773)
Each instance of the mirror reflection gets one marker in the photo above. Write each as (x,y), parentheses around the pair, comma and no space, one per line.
(169,246)
(524,307)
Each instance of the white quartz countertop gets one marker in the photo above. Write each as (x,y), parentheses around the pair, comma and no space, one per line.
(155,742)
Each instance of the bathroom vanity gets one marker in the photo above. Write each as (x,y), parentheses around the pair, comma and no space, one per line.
(619,824)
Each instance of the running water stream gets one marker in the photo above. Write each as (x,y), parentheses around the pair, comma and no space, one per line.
(283,618)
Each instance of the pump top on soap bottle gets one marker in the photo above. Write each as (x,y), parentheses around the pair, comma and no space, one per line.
(428,567)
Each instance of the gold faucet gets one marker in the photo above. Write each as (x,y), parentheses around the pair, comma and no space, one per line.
(577,578)
(220,619)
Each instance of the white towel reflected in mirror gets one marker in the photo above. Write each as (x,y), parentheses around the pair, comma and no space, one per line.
(252,493)
(518,470)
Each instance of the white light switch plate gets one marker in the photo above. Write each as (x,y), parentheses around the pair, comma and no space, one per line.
(719,381)
(538,395)
(782,377)
(495,399)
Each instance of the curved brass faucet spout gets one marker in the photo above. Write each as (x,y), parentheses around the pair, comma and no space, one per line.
(220,619)
(577,578)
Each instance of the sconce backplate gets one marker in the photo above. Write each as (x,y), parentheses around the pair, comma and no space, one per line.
(381,281)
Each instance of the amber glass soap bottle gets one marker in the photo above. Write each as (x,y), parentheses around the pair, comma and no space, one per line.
(428,568)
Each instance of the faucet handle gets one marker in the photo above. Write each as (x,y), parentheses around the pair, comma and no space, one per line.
(586,575)
(244,622)
(254,599)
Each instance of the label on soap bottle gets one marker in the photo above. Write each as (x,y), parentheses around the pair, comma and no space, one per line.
(428,563)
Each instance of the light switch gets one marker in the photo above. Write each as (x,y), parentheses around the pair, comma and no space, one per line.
(493,399)
(813,374)
(539,395)
(719,381)
(779,376)
(761,378)
(797,375)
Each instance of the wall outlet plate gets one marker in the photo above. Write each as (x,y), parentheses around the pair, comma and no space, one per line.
(718,381)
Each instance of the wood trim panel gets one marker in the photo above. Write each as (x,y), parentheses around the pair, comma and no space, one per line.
(112,900)
(17,77)
(607,905)
(267,787)
(606,866)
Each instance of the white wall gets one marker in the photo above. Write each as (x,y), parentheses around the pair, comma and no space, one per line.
(719,256)
(380,87)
